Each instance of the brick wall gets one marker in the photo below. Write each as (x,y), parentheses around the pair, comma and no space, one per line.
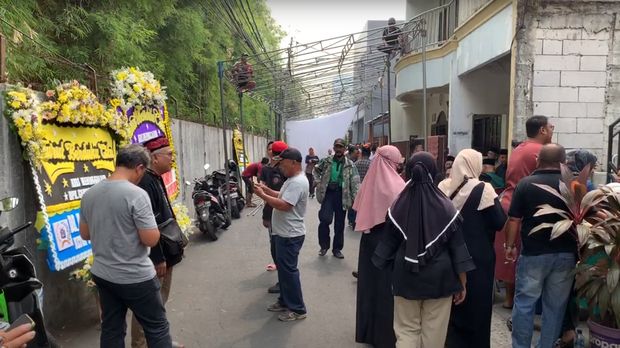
(565,70)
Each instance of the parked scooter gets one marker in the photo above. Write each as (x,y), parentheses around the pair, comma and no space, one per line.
(238,201)
(19,283)
(211,213)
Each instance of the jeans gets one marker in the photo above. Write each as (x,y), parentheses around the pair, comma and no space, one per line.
(287,256)
(331,208)
(137,334)
(547,276)
(144,300)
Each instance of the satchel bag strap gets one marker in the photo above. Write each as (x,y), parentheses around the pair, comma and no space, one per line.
(162,189)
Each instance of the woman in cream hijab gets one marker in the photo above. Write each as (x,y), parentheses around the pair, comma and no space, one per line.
(470,322)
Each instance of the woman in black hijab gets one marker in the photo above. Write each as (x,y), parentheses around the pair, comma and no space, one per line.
(424,245)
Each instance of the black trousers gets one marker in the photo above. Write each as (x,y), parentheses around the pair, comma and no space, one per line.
(331,209)
(144,300)
(310,182)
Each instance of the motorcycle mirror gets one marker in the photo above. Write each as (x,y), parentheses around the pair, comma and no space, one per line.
(8,203)
(207,166)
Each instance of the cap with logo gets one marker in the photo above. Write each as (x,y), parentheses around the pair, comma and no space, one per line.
(278,146)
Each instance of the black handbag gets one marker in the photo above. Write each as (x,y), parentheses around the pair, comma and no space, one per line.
(172,238)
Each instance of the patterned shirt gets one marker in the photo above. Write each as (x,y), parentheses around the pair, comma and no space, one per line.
(362,167)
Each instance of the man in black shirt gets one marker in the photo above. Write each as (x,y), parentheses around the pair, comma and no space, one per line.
(273,178)
(545,265)
(152,182)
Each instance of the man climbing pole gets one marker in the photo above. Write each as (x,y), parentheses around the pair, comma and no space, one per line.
(243,74)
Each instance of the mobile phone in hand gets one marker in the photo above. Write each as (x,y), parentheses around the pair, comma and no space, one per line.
(23,319)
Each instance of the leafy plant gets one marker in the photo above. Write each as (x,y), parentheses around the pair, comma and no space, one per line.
(593,218)
(579,206)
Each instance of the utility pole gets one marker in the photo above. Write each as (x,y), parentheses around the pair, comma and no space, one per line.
(220,74)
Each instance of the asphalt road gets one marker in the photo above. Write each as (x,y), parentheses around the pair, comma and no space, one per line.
(219,294)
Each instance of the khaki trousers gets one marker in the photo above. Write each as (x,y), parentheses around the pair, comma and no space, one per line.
(421,324)
(137,334)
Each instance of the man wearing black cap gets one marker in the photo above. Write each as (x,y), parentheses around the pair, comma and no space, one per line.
(338,182)
(488,174)
(289,231)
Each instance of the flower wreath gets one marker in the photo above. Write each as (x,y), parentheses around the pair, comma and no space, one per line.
(68,103)
(132,87)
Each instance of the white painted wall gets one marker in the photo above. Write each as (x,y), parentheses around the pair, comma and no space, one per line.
(408,120)
(489,41)
(437,75)
(483,91)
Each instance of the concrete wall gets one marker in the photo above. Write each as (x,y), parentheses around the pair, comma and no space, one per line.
(568,69)
(67,302)
(198,144)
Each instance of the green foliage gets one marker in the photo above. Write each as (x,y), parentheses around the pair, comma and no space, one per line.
(180,41)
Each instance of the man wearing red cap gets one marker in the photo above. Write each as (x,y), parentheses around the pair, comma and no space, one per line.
(152,182)
(273,178)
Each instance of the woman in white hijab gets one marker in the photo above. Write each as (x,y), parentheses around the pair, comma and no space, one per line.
(470,322)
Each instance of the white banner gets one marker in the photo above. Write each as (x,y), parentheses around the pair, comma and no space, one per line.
(319,133)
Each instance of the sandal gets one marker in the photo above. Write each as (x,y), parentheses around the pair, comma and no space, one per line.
(562,344)
(271,267)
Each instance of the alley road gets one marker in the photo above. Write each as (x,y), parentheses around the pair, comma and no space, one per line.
(219,296)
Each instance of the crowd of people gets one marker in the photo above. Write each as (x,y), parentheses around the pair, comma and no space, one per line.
(435,237)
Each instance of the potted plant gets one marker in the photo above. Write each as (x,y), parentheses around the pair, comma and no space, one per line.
(593,218)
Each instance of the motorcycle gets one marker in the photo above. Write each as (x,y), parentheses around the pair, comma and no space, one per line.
(18,282)
(211,212)
(238,201)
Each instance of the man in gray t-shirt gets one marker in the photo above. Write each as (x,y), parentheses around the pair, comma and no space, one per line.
(117,218)
(291,223)
(289,232)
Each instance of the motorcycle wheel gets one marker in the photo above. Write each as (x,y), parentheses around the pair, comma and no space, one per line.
(235,211)
(210,231)
(241,203)
(227,221)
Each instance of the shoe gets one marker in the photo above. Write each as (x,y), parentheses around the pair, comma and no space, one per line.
(355,274)
(338,254)
(322,252)
(277,307)
(291,316)
(176,344)
(274,289)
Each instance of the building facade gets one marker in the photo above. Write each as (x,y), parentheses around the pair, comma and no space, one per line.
(491,64)
(369,124)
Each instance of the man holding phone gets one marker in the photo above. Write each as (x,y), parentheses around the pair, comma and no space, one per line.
(289,232)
